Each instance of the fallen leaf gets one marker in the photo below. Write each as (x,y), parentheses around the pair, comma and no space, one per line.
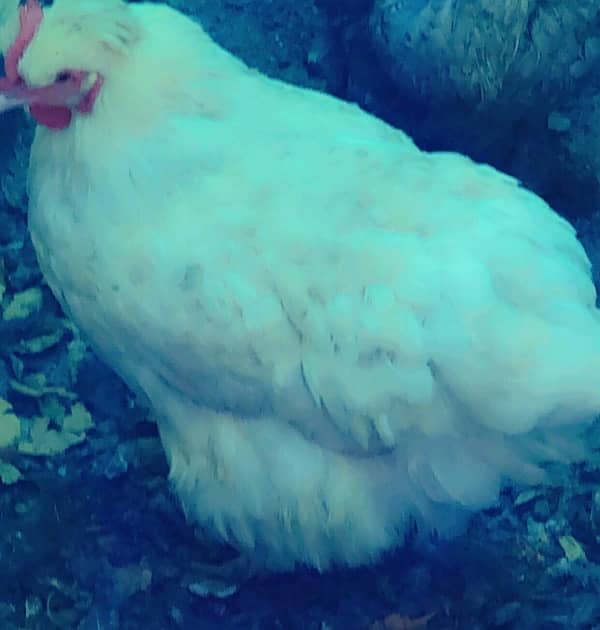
(402,622)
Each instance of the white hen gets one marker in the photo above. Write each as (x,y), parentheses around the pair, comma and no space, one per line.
(340,335)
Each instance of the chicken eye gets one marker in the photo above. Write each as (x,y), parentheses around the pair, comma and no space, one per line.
(62,77)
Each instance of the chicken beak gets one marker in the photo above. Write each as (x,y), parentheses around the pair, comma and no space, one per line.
(67,94)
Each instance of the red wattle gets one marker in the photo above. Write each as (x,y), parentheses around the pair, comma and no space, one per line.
(52,116)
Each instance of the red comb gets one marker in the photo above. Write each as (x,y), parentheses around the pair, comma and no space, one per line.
(30,17)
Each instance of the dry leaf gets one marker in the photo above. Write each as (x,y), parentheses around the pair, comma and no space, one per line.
(402,622)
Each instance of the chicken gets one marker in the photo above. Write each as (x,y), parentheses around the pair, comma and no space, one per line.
(343,339)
